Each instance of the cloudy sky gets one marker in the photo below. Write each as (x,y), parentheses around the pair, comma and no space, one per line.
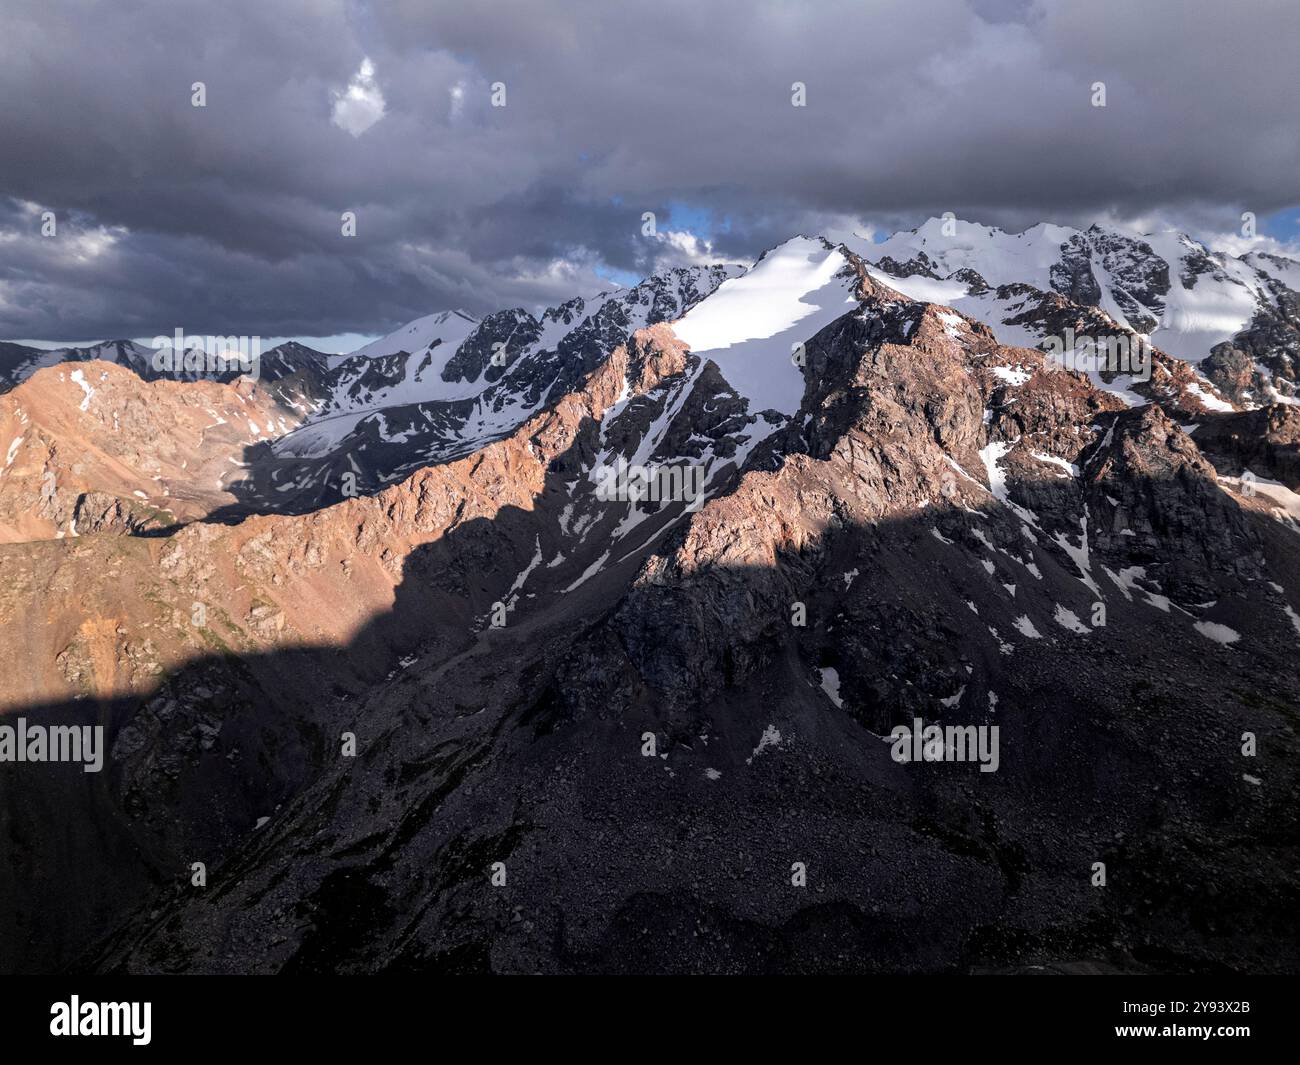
(227,218)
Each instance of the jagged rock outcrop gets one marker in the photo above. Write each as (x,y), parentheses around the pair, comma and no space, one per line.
(649,712)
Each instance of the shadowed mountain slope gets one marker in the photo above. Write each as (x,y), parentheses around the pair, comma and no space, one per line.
(942,513)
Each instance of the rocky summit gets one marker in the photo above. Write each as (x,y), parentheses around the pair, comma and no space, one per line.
(929,605)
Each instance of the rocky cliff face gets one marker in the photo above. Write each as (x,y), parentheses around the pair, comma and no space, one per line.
(166,452)
(488,717)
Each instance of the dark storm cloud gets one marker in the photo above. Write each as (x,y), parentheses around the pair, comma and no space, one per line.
(227,218)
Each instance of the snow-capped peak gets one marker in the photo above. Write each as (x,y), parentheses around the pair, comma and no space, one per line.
(449,327)
(1163,284)
(749,326)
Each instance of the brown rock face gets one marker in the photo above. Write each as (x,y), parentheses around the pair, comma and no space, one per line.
(166,450)
(648,710)
(1265,441)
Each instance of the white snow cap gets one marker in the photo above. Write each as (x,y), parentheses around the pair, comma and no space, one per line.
(750,325)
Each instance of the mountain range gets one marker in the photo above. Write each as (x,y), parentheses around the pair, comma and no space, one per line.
(370,647)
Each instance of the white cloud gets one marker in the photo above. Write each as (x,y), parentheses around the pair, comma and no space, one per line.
(457,94)
(684,248)
(1236,244)
(361,105)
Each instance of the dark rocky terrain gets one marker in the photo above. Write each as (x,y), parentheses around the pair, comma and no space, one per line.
(938,526)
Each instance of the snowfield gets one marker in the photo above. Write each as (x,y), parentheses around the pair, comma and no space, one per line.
(750,325)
